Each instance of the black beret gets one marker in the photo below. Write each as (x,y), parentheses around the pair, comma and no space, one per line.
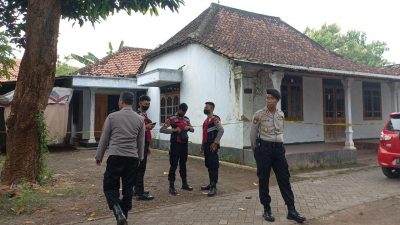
(275,93)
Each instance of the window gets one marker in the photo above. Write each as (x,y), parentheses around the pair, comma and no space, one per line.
(292,97)
(394,124)
(372,101)
(169,101)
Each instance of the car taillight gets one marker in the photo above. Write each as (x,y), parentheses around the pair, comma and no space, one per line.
(385,137)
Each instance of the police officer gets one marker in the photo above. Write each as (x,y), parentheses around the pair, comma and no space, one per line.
(144,104)
(212,134)
(266,138)
(178,153)
(123,133)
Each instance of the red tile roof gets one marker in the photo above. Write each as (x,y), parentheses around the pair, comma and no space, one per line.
(395,68)
(125,62)
(243,35)
(13,72)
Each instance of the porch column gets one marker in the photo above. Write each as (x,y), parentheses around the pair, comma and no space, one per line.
(276,78)
(92,138)
(349,144)
(397,94)
(238,81)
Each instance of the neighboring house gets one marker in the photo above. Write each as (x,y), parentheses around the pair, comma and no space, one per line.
(96,91)
(97,88)
(7,85)
(230,56)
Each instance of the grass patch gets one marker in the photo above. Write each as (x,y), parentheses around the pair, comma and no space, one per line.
(67,192)
(321,167)
(2,158)
(228,158)
(22,200)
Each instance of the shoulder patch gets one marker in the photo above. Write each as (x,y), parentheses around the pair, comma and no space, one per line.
(256,118)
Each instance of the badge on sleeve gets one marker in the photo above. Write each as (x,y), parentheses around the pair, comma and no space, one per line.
(256,118)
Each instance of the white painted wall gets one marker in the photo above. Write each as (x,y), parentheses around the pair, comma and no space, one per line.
(206,77)
(312,113)
(312,109)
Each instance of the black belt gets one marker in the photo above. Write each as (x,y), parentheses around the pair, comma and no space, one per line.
(270,143)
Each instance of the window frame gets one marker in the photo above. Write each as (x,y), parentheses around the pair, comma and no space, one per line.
(371,87)
(298,82)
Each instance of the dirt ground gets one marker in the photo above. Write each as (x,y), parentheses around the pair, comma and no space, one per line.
(76,194)
(382,212)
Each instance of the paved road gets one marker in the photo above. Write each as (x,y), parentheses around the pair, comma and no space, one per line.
(314,198)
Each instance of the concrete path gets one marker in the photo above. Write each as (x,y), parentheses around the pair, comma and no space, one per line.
(314,198)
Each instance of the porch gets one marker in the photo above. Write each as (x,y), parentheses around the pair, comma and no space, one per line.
(93,99)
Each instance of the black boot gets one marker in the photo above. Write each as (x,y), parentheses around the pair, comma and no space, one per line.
(205,187)
(294,215)
(119,215)
(146,196)
(268,216)
(186,186)
(213,190)
(172,190)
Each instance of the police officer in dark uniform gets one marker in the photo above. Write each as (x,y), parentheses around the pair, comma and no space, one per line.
(266,138)
(144,104)
(212,134)
(178,153)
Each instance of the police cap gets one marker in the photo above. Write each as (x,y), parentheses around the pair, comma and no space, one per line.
(275,93)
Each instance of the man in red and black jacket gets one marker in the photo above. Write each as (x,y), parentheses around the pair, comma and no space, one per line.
(212,134)
(144,104)
(178,153)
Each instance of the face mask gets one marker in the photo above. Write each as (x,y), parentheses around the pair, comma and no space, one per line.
(206,111)
(145,108)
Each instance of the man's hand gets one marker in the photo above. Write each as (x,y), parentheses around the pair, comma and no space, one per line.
(150,126)
(214,147)
(177,130)
(187,128)
(98,162)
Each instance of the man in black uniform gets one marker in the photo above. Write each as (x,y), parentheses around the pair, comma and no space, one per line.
(144,104)
(212,134)
(266,138)
(178,153)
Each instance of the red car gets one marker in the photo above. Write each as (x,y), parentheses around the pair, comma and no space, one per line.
(389,147)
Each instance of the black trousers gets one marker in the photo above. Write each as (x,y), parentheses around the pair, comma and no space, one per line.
(272,155)
(178,154)
(120,168)
(139,183)
(211,161)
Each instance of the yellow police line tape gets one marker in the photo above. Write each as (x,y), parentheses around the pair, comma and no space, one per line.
(286,122)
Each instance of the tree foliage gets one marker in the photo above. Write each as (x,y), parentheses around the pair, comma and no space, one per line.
(353,44)
(63,68)
(13,12)
(7,58)
(90,58)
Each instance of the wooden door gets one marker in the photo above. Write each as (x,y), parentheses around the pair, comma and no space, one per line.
(101,107)
(334,111)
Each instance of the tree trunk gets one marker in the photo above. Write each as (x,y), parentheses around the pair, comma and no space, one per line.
(34,84)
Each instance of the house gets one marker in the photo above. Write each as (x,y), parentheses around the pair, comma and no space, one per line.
(230,56)
(96,92)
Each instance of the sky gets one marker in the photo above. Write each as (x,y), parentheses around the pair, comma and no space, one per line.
(379,19)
